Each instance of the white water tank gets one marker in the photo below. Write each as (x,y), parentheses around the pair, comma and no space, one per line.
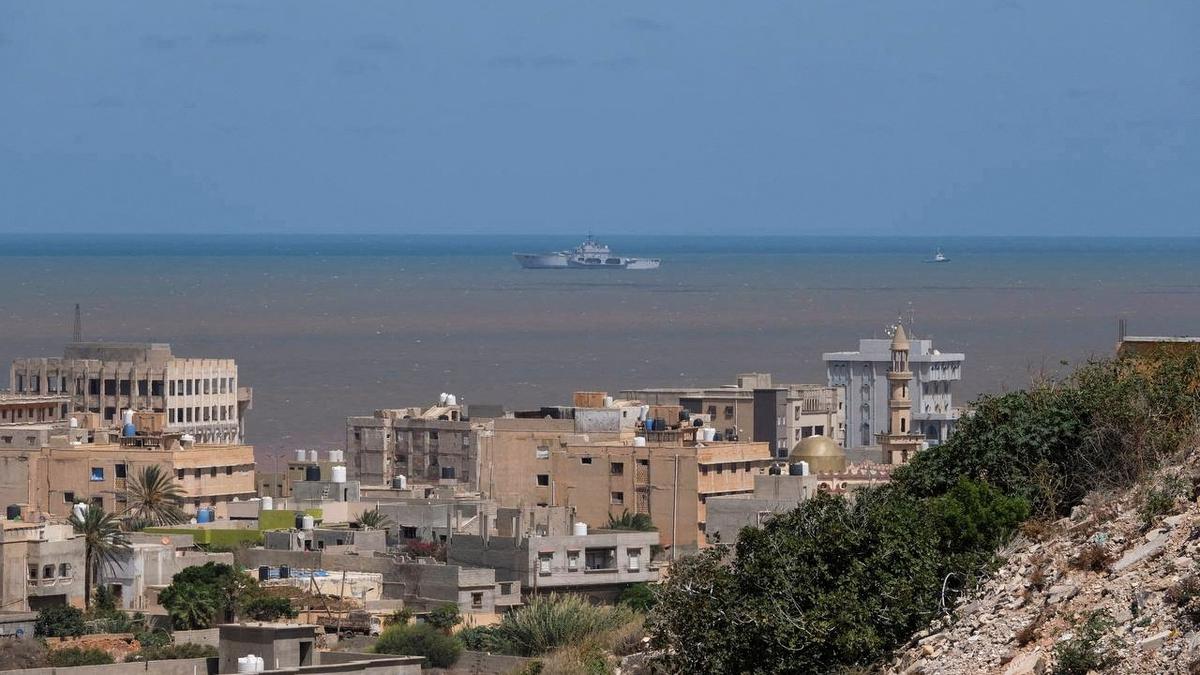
(74,423)
(608,401)
(639,441)
(400,482)
(580,529)
(259,664)
(339,474)
(127,416)
(307,522)
(246,664)
(644,413)
(335,455)
(710,433)
(451,399)
(312,456)
(442,398)
(187,440)
(79,510)
(300,455)
(268,503)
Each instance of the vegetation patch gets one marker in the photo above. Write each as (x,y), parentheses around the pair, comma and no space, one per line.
(420,640)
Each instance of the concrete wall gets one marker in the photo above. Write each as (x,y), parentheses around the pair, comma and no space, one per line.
(172,667)
(204,636)
(482,663)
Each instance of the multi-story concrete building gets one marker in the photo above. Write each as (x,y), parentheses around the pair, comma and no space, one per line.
(756,409)
(42,565)
(200,397)
(48,468)
(33,408)
(862,376)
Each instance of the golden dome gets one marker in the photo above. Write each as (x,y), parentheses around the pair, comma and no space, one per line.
(822,453)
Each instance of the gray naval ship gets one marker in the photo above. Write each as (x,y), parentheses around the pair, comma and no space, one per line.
(590,255)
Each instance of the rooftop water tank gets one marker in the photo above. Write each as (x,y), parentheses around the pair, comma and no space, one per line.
(299,520)
(246,664)
(73,423)
(204,516)
(312,456)
(259,664)
(451,399)
(268,503)
(128,431)
(608,401)
(644,412)
(79,510)
(710,434)
(307,522)
(580,529)
(300,454)
(639,441)
(264,572)
(312,473)
(127,416)
(400,483)
(442,398)
(339,474)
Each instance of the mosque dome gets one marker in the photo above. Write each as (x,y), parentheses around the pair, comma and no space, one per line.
(822,453)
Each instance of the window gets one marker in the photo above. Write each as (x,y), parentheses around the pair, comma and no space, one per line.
(206,418)
(618,498)
(188,413)
(110,413)
(97,473)
(616,468)
(728,412)
(572,561)
(543,479)
(198,473)
(408,532)
(585,460)
(447,472)
(212,472)
(189,387)
(542,452)
(179,474)
(477,600)
(206,386)
(110,387)
(224,413)
(712,411)
(224,384)
(544,563)
(126,387)
(97,502)
(68,497)
(33,572)
(156,388)
(47,571)
(819,430)
(143,387)
(171,415)
(94,386)
(600,559)
(229,471)
(64,570)
(634,555)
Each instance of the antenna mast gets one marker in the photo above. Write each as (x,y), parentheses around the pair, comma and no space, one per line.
(78,334)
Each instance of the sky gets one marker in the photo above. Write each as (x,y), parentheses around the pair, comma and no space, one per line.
(799,117)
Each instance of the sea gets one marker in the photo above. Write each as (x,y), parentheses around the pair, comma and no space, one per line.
(328,326)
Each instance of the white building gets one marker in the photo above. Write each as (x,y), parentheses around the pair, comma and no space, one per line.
(862,376)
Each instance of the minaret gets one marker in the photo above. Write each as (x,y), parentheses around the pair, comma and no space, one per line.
(900,442)
(78,334)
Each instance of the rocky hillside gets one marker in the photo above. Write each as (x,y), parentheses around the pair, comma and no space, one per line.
(1112,589)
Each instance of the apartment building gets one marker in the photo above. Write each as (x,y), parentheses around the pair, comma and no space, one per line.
(201,397)
(42,565)
(47,469)
(33,408)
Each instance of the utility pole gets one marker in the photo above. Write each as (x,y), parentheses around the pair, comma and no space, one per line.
(77,335)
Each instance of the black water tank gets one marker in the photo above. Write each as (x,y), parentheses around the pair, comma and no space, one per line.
(774,470)
(312,473)
(264,572)
(285,572)
(698,423)
(299,521)
(13,512)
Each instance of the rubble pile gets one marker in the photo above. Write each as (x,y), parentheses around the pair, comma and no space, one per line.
(1108,556)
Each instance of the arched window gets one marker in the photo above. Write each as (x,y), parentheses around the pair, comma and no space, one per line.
(866,434)
(902,422)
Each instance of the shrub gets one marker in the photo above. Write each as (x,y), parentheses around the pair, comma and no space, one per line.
(638,597)
(400,616)
(21,653)
(1093,557)
(479,639)
(186,650)
(60,621)
(445,617)
(153,638)
(269,608)
(74,656)
(1085,651)
(1185,594)
(1159,500)
(639,522)
(554,621)
(420,640)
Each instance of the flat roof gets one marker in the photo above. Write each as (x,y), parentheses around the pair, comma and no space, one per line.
(1154,338)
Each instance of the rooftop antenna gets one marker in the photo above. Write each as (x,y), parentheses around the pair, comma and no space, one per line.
(78,334)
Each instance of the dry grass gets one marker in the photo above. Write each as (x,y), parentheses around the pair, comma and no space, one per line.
(1092,557)
(1038,529)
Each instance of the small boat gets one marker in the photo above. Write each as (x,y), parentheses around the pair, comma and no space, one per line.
(938,257)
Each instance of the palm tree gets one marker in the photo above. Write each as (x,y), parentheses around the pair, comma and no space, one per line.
(374,519)
(104,543)
(155,498)
(631,521)
(193,608)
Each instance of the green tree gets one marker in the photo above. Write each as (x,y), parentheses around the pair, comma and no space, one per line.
(374,519)
(104,544)
(640,522)
(444,617)
(420,640)
(170,652)
(59,621)
(638,597)
(155,498)
(269,608)
(202,595)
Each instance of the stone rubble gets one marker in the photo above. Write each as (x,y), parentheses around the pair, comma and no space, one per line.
(1011,623)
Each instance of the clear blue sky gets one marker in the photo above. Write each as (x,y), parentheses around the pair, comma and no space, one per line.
(792,117)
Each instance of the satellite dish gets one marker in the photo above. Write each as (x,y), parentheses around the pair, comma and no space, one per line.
(166,540)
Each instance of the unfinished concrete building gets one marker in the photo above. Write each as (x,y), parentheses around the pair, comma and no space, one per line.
(201,397)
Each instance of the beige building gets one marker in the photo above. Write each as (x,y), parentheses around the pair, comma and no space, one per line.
(33,408)
(43,565)
(201,397)
(59,467)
